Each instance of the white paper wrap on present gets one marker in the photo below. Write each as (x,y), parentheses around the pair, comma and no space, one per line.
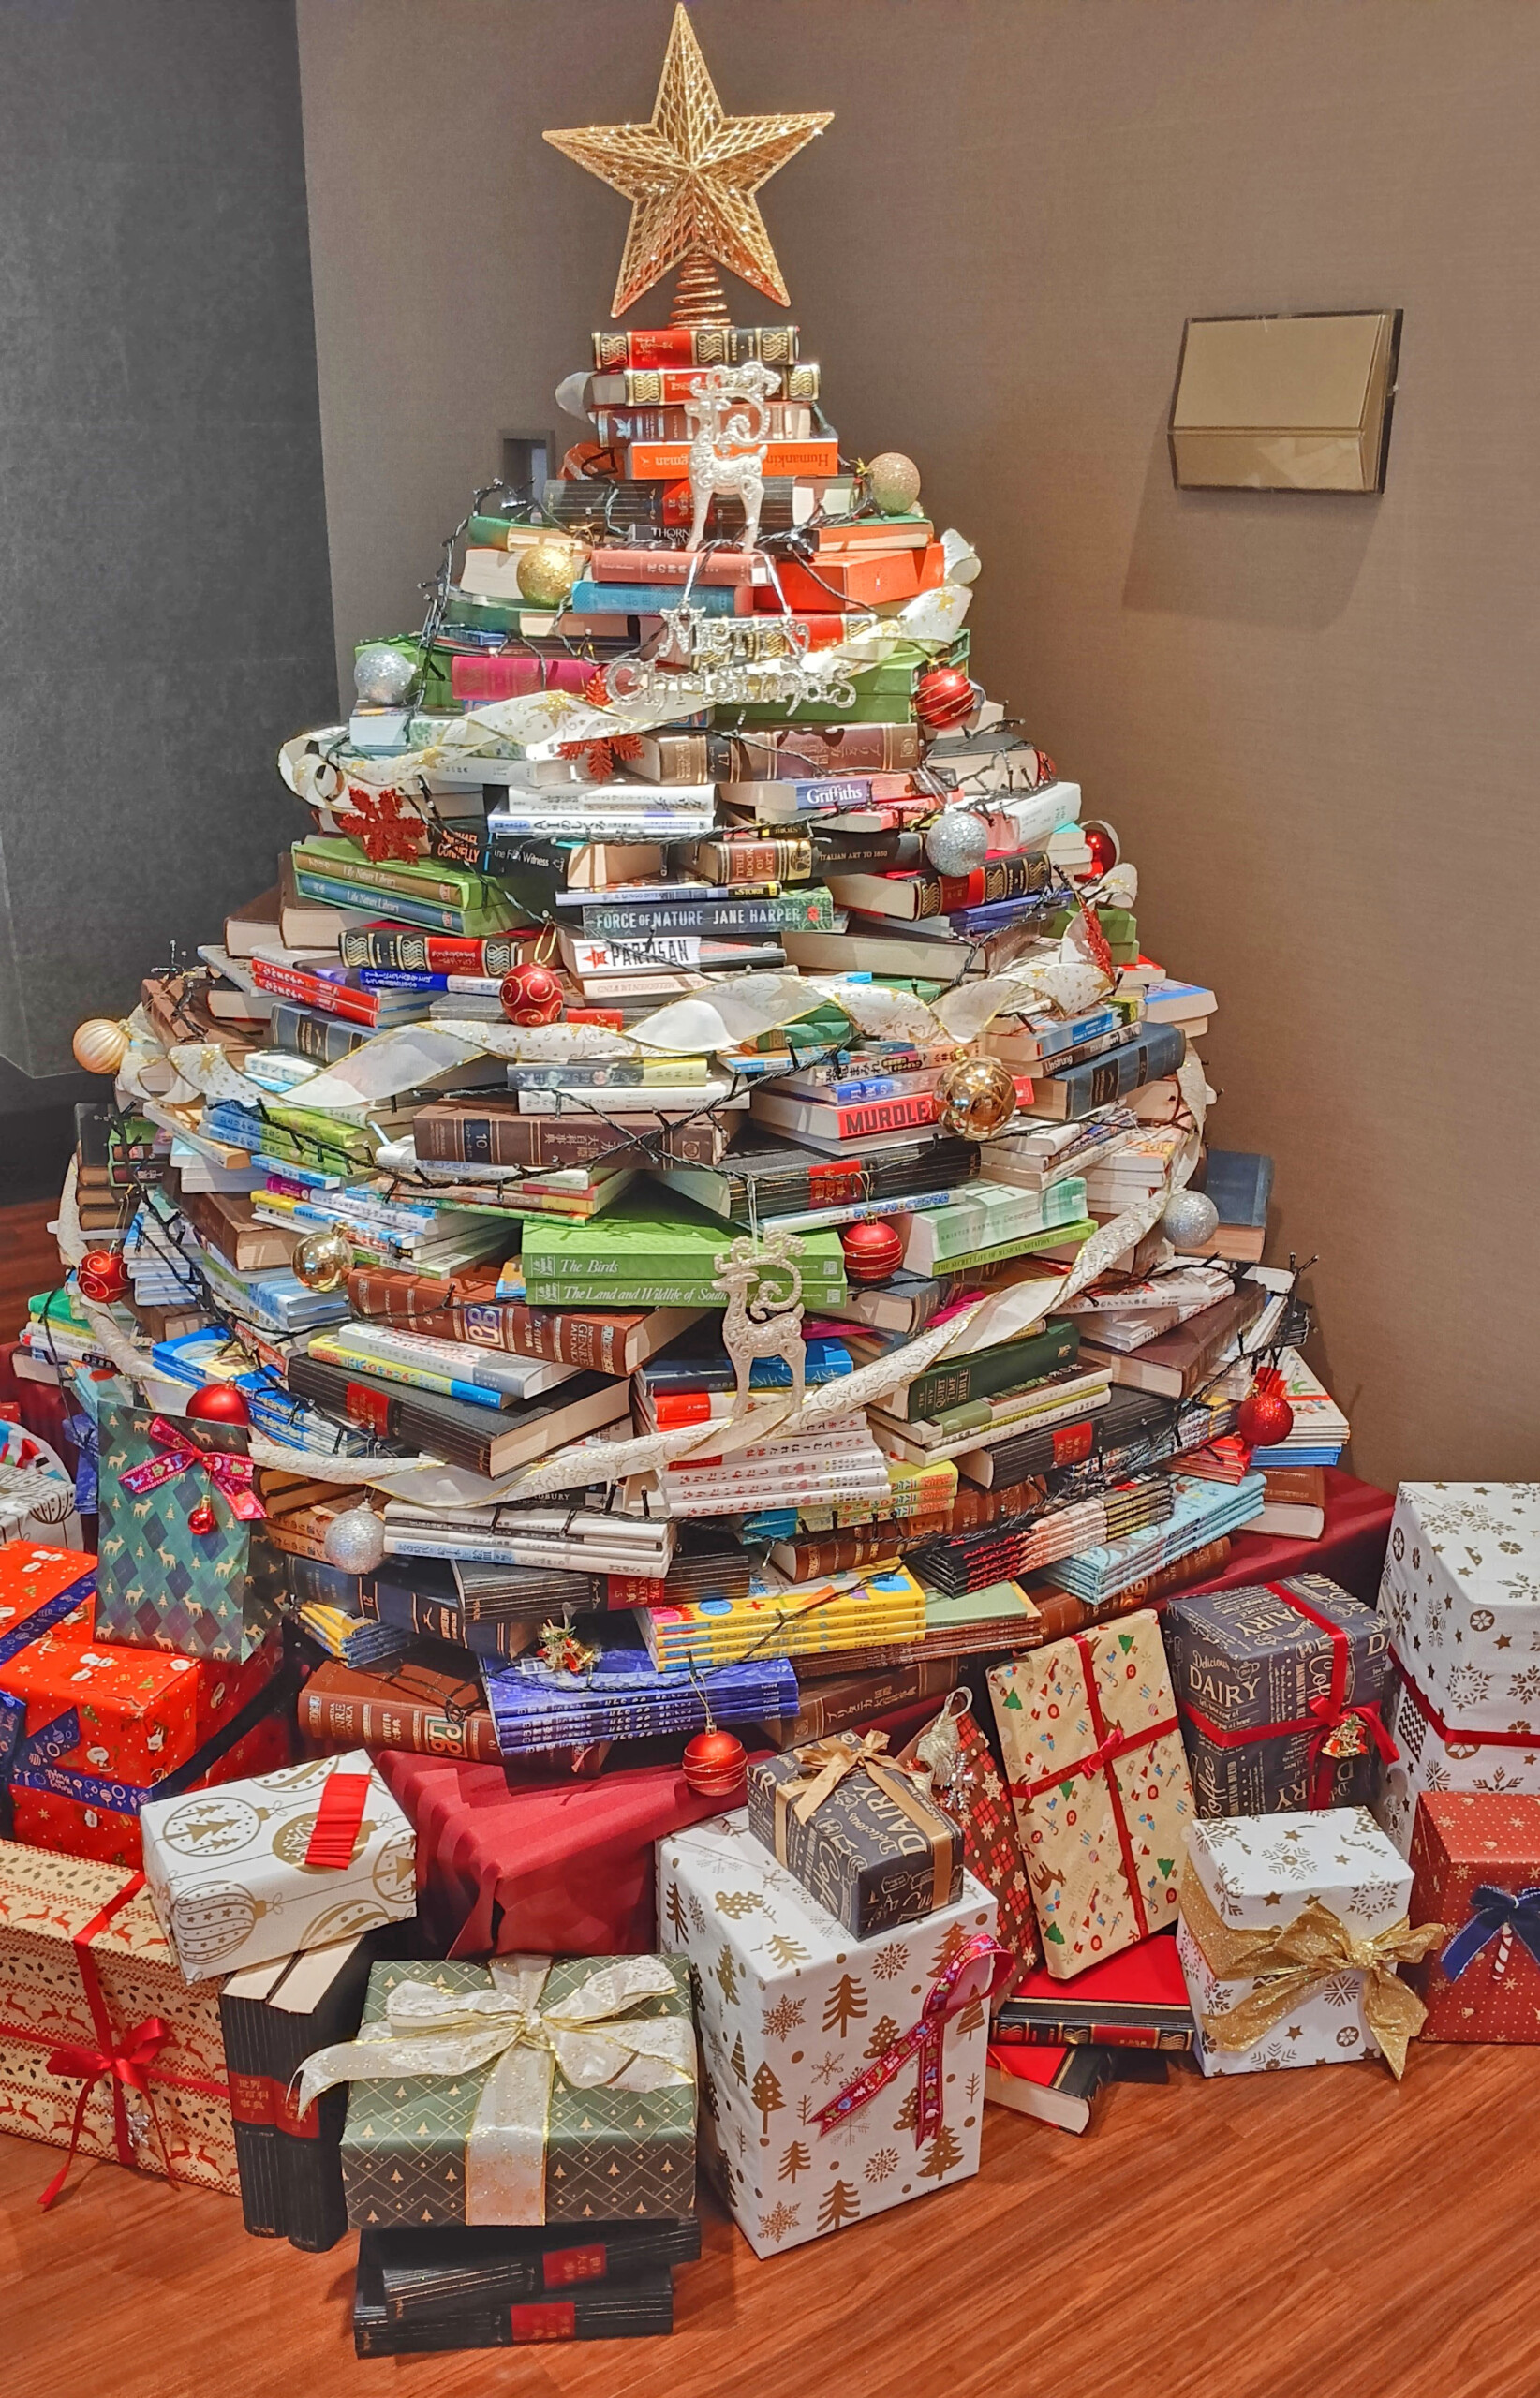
(1461,1595)
(791,2008)
(1428,1761)
(226,1868)
(1258,1873)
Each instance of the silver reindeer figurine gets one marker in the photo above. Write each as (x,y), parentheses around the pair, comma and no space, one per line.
(760,1322)
(727,453)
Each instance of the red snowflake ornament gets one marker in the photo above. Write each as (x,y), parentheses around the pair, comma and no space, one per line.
(377,821)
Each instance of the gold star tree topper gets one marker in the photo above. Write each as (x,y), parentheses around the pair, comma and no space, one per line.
(692,176)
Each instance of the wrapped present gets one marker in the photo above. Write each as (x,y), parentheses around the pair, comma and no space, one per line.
(1432,1753)
(858,1830)
(1475,1866)
(130,1715)
(43,1589)
(1280,1688)
(37,1495)
(1290,1931)
(295,1860)
(1461,1598)
(67,1808)
(966,1781)
(1093,1752)
(104,2050)
(522,2092)
(183,1563)
(836,2080)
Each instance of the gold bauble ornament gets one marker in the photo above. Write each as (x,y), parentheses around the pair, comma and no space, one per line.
(976,1098)
(323,1261)
(892,482)
(548,572)
(100,1044)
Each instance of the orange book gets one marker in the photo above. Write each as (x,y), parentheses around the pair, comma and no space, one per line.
(657,461)
(861,581)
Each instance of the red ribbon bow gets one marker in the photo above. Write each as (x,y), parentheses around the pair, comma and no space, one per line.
(964,1980)
(126,2061)
(180,1453)
(1324,1716)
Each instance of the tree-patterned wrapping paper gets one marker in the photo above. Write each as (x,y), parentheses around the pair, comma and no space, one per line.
(1096,1768)
(46,1903)
(1460,1594)
(228,1874)
(789,2008)
(159,1583)
(1483,1982)
(1258,1873)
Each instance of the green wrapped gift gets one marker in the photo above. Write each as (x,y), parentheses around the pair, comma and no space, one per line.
(884,694)
(525,2091)
(181,1560)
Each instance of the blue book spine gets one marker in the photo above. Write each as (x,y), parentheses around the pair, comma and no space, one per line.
(381,903)
(647,598)
(999,913)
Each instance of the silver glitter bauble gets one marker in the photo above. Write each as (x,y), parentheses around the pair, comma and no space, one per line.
(1191,1219)
(382,676)
(957,841)
(355,1542)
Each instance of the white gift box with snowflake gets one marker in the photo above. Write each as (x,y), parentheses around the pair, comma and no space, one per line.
(1259,1873)
(1461,1593)
(791,2011)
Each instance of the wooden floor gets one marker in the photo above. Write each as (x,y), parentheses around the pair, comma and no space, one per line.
(29,1261)
(1271,2235)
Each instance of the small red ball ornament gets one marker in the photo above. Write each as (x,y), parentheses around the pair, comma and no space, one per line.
(101,1276)
(202,1518)
(1265,1416)
(716,1764)
(942,696)
(218,1404)
(530,994)
(1102,844)
(873,1250)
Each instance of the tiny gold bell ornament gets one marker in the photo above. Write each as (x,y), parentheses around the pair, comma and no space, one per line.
(976,1098)
(547,572)
(323,1261)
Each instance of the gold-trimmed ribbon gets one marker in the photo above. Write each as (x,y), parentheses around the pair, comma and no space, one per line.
(589,2036)
(1290,1961)
(824,1765)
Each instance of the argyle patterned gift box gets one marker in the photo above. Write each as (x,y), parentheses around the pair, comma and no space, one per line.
(161,1583)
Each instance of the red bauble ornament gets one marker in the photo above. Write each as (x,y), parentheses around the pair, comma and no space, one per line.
(102,1276)
(218,1404)
(716,1764)
(873,1250)
(531,995)
(1265,1416)
(1102,844)
(942,696)
(202,1518)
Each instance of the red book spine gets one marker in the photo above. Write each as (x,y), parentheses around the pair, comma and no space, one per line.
(885,1116)
(514,677)
(314,991)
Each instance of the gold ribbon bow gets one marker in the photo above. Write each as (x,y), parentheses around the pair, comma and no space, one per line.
(431,2033)
(824,1765)
(1291,1961)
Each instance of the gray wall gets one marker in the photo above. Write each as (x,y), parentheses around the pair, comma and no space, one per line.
(1311,718)
(163,577)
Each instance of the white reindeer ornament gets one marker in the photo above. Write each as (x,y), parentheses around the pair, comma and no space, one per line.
(727,452)
(760,1322)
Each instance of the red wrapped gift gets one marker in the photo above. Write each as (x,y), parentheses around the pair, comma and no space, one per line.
(966,1780)
(74,1825)
(44,1590)
(1476,1861)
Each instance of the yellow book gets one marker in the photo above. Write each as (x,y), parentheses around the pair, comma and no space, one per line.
(841,1611)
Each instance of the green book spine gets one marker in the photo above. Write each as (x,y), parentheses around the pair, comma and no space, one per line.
(471,924)
(1052,1236)
(457,886)
(991,1374)
(955,1229)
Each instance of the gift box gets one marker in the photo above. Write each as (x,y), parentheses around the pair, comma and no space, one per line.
(37,1495)
(42,1590)
(1476,1867)
(837,2077)
(858,1830)
(522,2092)
(1277,1913)
(183,1563)
(1094,1759)
(1432,1753)
(135,1713)
(966,1781)
(104,2050)
(78,1813)
(1461,1597)
(296,1860)
(1281,1688)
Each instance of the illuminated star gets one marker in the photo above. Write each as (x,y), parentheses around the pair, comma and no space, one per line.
(692,176)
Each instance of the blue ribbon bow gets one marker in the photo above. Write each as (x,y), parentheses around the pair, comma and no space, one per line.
(1494,1910)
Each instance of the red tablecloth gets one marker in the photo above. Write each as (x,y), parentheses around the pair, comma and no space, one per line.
(1351,1551)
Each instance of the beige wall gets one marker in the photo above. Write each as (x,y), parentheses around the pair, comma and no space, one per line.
(1313,719)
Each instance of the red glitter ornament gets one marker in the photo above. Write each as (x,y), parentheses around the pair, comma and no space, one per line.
(203,1519)
(1265,1416)
(378,821)
(1102,844)
(942,696)
(101,1276)
(716,1764)
(530,994)
(218,1404)
(873,1250)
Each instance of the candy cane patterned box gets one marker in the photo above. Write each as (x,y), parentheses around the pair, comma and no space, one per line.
(791,2010)
(227,1874)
